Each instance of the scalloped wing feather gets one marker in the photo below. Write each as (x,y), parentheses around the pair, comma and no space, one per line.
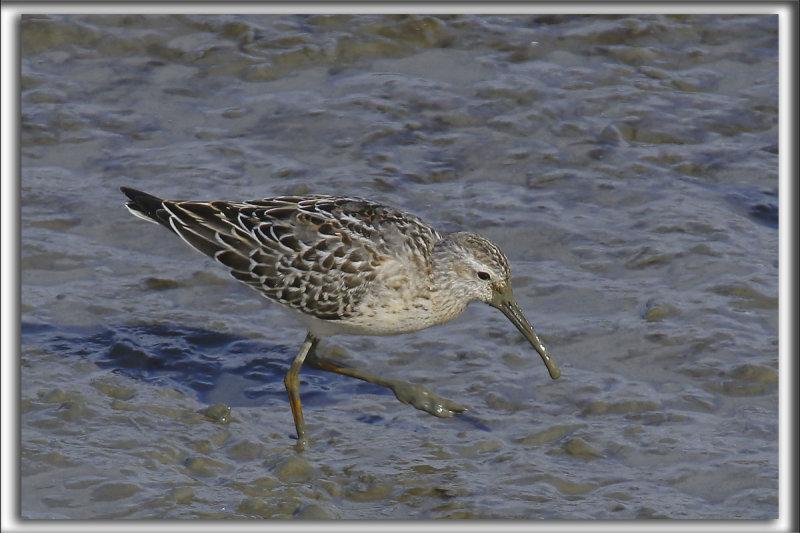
(315,254)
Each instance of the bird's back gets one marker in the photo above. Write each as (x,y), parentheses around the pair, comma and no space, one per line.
(316,254)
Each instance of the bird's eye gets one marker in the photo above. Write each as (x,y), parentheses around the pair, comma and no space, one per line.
(484,276)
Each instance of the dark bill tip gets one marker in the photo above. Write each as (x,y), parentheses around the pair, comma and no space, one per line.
(509,307)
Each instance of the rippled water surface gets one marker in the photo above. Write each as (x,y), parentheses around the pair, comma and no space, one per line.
(626,165)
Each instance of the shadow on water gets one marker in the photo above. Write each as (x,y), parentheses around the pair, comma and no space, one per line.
(216,367)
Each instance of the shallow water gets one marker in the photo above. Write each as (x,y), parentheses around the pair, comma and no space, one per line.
(626,165)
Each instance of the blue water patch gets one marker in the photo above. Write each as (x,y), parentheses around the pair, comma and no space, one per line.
(766,213)
(760,205)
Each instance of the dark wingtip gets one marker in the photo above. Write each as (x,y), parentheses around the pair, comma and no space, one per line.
(143,204)
(136,195)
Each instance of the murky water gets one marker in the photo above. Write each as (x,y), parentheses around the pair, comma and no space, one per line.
(627,166)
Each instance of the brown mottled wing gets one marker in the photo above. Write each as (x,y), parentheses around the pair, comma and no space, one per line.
(316,254)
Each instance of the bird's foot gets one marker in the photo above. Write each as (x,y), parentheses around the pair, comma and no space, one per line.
(424,400)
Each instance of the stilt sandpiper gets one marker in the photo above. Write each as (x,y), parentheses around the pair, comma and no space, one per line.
(347,265)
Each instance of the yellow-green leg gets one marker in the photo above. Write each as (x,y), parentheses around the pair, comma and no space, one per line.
(408,393)
(292,383)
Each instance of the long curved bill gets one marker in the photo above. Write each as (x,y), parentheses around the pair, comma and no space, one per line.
(505,302)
